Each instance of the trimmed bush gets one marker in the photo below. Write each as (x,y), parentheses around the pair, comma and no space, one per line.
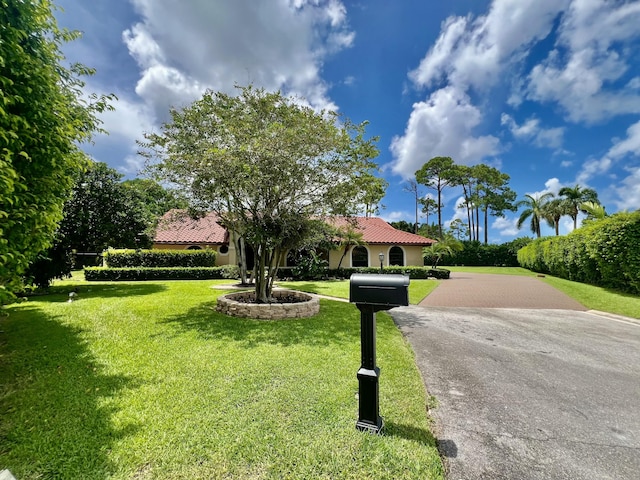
(476,254)
(604,252)
(146,273)
(413,272)
(159,258)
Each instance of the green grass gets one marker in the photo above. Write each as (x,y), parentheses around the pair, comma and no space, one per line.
(418,289)
(592,297)
(145,380)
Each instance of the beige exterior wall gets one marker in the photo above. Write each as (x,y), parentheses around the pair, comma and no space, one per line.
(412,256)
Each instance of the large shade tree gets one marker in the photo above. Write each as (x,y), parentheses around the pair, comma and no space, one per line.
(268,166)
(43,116)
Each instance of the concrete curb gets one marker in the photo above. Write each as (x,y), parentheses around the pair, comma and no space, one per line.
(614,316)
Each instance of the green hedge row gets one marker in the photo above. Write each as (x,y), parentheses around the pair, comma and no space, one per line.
(159,258)
(604,252)
(413,272)
(490,255)
(146,273)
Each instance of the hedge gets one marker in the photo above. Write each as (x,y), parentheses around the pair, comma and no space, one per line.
(477,254)
(159,258)
(146,273)
(604,252)
(413,272)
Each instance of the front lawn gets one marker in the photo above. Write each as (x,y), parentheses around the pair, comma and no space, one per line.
(145,380)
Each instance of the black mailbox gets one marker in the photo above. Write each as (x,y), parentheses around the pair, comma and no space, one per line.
(382,290)
(372,293)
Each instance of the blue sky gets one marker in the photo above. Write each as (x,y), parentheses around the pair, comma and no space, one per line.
(548,91)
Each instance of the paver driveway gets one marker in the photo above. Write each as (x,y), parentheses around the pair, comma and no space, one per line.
(529,393)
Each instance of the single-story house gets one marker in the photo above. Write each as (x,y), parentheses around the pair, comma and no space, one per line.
(399,248)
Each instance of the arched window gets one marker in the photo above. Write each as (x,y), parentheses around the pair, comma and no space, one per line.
(396,256)
(194,247)
(359,257)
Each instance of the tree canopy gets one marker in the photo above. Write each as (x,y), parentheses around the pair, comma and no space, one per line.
(43,116)
(267,165)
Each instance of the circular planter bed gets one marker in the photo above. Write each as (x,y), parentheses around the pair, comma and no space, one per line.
(287,304)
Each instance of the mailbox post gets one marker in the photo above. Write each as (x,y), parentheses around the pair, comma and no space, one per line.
(371,294)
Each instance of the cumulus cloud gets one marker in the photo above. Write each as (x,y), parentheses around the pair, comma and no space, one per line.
(629,146)
(276,44)
(470,54)
(507,227)
(628,190)
(589,58)
(531,131)
(441,126)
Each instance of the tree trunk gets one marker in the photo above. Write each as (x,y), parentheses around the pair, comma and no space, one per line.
(486,226)
(261,279)
(242,259)
(440,211)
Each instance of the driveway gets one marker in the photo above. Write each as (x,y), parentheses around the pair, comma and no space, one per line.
(533,393)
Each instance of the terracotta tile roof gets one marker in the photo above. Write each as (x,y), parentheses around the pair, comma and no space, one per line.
(177,227)
(376,231)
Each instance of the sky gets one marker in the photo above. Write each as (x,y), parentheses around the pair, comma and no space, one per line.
(547,91)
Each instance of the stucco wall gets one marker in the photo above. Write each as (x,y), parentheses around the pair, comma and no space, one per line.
(412,256)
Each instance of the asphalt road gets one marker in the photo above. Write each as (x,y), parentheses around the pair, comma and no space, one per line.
(530,394)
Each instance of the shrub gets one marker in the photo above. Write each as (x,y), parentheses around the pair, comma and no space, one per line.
(604,252)
(145,273)
(413,272)
(159,258)
(480,255)
(229,271)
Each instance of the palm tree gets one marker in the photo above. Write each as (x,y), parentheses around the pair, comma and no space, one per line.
(445,247)
(349,237)
(554,211)
(594,210)
(576,196)
(535,210)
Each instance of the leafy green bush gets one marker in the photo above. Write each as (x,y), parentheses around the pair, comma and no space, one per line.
(604,252)
(480,255)
(145,273)
(229,271)
(413,272)
(159,258)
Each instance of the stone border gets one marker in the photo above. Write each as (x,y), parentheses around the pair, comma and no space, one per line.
(229,305)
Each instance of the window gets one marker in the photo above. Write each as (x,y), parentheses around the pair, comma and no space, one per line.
(194,247)
(359,257)
(223,249)
(396,256)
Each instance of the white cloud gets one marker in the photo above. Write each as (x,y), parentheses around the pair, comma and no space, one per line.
(441,126)
(276,44)
(589,57)
(553,185)
(507,227)
(620,149)
(628,191)
(531,131)
(473,52)
(470,53)
(396,216)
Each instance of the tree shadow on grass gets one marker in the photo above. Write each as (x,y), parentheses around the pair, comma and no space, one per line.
(55,411)
(100,290)
(337,324)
